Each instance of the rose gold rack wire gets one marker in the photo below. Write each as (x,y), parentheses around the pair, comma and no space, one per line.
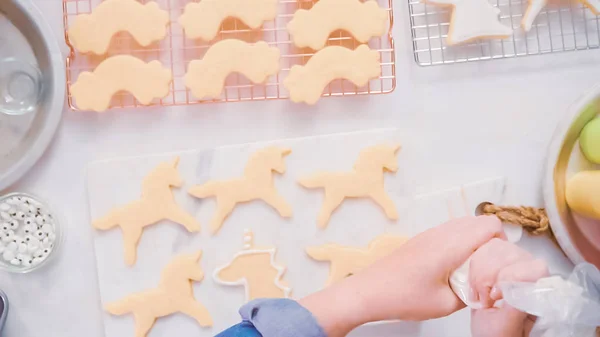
(176,51)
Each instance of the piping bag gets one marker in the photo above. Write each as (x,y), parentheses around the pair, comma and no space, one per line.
(565,307)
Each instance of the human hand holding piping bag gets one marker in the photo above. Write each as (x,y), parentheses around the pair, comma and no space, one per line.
(410,284)
(495,262)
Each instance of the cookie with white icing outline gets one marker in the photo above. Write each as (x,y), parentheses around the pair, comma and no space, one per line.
(254,269)
(203,19)
(156,204)
(346,261)
(311,28)
(364,181)
(472,20)
(145,81)
(174,294)
(256,184)
(93,32)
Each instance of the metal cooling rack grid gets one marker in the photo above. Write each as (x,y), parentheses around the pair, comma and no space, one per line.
(175,51)
(560,26)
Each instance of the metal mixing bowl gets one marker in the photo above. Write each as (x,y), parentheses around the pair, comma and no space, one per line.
(24,138)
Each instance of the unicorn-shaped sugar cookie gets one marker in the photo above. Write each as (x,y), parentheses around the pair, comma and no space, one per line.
(173,294)
(366,180)
(156,204)
(257,183)
(346,261)
(255,269)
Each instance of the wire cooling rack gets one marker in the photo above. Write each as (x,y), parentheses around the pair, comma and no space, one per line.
(560,26)
(176,51)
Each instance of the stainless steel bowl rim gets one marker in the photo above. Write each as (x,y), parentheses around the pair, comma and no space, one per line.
(57,97)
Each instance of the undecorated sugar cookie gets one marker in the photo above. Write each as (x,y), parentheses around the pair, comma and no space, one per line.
(156,204)
(583,193)
(145,81)
(346,261)
(206,78)
(203,19)
(306,83)
(473,19)
(256,184)
(589,141)
(174,294)
(364,181)
(255,269)
(93,32)
(311,28)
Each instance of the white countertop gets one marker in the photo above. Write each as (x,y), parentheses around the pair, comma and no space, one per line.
(489,118)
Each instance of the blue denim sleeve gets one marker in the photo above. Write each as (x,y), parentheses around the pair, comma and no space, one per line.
(274,318)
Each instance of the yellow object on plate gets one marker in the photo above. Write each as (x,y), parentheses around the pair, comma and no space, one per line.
(583,193)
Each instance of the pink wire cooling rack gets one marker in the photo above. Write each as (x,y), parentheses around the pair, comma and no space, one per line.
(176,51)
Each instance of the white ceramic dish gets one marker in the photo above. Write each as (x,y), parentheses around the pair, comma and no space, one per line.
(578,237)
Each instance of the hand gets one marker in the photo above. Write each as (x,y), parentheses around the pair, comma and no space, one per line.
(410,284)
(495,262)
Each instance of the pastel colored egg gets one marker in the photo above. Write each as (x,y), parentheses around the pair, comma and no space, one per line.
(582,194)
(589,141)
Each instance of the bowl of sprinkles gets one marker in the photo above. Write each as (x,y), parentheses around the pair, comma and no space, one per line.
(29,233)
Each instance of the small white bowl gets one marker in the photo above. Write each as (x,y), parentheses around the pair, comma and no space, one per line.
(19,269)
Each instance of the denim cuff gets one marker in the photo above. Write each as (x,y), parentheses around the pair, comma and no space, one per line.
(281,318)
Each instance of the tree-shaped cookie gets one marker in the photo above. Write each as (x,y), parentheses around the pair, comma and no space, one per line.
(364,181)
(256,184)
(156,204)
(346,261)
(255,269)
(173,294)
(472,19)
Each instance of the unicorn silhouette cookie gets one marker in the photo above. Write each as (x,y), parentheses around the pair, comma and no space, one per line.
(255,269)
(346,261)
(366,180)
(156,204)
(257,183)
(173,294)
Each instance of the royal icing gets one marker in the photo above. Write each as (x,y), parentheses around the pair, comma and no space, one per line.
(93,32)
(311,28)
(346,261)
(145,81)
(203,19)
(206,78)
(256,184)
(534,8)
(364,181)
(473,19)
(306,83)
(156,203)
(256,270)
(174,294)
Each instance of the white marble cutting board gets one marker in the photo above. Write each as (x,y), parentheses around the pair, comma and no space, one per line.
(356,222)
